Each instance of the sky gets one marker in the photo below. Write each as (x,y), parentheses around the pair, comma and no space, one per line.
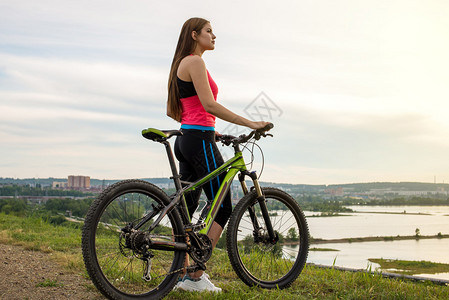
(357,90)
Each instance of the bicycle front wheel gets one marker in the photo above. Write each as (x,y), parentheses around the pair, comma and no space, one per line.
(113,251)
(255,259)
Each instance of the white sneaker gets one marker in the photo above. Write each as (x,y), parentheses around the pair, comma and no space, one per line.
(178,284)
(198,285)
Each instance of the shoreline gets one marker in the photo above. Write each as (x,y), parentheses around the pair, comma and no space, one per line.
(351,214)
(374,239)
(391,213)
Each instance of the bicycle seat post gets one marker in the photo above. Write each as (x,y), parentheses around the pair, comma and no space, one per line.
(176,177)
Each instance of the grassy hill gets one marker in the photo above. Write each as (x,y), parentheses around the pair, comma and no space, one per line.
(64,243)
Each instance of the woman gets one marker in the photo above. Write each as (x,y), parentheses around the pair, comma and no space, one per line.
(192,95)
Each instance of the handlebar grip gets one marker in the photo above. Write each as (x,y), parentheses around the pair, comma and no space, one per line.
(266,128)
(261,131)
(269,126)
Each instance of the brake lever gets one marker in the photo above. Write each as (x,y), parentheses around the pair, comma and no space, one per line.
(258,135)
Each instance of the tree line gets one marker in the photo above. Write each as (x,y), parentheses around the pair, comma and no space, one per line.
(20,207)
(399,201)
(24,190)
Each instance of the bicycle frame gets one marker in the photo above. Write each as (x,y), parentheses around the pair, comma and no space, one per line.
(232,166)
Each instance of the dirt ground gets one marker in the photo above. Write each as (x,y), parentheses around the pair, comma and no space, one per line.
(28,274)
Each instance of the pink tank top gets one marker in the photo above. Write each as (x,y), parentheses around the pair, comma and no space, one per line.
(193,112)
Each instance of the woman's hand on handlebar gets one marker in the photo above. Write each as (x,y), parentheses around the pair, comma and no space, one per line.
(259,124)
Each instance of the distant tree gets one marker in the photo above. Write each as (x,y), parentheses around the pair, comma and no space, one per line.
(16,207)
(292,235)
(417,233)
(78,207)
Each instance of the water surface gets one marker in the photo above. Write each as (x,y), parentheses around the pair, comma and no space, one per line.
(369,221)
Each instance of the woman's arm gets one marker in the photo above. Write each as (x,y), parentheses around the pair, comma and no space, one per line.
(197,71)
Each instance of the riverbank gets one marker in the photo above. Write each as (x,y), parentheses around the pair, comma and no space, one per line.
(352,213)
(376,239)
(391,213)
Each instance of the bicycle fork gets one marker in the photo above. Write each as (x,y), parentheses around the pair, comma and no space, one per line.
(272,236)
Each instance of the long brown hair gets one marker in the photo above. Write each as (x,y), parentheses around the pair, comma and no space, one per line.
(185,47)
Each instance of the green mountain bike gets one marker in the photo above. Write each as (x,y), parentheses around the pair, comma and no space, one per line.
(135,236)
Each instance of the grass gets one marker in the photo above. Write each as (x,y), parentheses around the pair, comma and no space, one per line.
(410,267)
(64,242)
(321,249)
(314,283)
(49,283)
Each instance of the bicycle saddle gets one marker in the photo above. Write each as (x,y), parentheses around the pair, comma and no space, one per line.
(159,135)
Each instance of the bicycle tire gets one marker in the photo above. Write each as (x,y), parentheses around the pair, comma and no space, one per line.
(117,270)
(262,263)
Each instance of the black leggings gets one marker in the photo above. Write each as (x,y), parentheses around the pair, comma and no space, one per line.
(198,155)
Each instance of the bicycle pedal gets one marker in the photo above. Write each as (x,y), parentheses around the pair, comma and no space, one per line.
(196,267)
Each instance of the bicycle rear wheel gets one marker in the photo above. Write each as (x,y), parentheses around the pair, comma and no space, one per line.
(256,260)
(114,262)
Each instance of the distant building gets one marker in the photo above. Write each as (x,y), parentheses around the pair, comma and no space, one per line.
(338,191)
(78,182)
(59,185)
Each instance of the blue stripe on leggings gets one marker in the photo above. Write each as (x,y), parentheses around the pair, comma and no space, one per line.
(215,164)
(208,169)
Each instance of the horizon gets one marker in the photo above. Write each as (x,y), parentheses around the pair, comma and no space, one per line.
(281,183)
(357,91)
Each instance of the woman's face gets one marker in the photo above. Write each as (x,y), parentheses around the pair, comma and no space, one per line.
(206,38)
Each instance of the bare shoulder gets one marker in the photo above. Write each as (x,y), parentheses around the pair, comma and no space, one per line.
(189,65)
(193,61)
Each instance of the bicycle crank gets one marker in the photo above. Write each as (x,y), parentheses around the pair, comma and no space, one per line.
(201,248)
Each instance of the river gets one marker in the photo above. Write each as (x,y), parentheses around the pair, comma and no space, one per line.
(379,221)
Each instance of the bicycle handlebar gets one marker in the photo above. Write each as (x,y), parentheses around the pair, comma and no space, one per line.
(257,134)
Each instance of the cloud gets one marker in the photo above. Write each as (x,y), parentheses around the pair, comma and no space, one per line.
(60,115)
(42,88)
(317,143)
(362,86)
